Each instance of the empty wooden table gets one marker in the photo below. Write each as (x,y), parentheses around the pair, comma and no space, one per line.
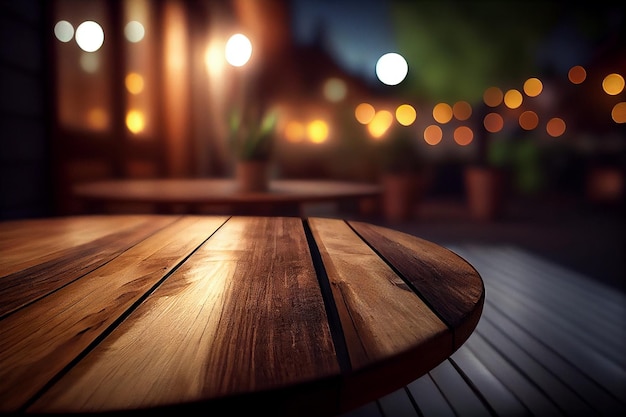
(286,315)
(283,196)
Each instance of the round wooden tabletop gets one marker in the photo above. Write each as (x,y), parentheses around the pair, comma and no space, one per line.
(286,315)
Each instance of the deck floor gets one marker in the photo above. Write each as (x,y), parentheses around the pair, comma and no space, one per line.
(551,342)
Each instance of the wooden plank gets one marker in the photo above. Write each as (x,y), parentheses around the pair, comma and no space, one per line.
(449,284)
(571,320)
(578,327)
(593,363)
(560,393)
(551,280)
(398,404)
(534,399)
(24,243)
(62,266)
(370,297)
(460,395)
(569,295)
(591,392)
(31,354)
(251,285)
(597,292)
(429,399)
(502,401)
(587,354)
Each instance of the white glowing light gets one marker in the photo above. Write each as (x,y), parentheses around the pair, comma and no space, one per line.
(134,31)
(89,36)
(64,31)
(238,50)
(391,68)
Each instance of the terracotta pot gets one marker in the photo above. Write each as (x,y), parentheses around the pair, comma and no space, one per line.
(252,176)
(485,192)
(399,196)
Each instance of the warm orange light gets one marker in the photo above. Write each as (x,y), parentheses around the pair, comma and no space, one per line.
(433,135)
(463,135)
(555,127)
(364,113)
(493,96)
(533,87)
(442,113)
(98,119)
(493,122)
(462,110)
(406,114)
(513,99)
(317,131)
(577,74)
(380,124)
(294,131)
(528,120)
(135,121)
(613,84)
(134,83)
(618,114)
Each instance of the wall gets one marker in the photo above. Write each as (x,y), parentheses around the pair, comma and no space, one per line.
(25,176)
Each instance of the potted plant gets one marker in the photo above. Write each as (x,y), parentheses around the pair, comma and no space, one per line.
(251,137)
(400,174)
(485,180)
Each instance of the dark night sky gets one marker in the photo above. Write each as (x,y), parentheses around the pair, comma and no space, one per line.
(547,35)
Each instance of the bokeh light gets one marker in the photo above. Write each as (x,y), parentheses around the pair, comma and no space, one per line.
(335,90)
(462,110)
(577,74)
(463,135)
(135,121)
(238,50)
(613,84)
(90,63)
(555,127)
(134,31)
(364,113)
(391,68)
(380,124)
(64,31)
(89,36)
(406,114)
(442,113)
(493,96)
(433,135)
(294,131)
(317,131)
(618,114)
(493,122)
(528,120)
(513,99)
(533,87)
(98,118)
(134,83)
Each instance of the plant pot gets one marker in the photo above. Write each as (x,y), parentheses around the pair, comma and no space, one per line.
(252,176)
(399,196)
(484,188)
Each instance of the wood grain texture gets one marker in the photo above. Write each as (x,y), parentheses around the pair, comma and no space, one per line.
(243,314)
(24,243)
(72,256)
(449,284)
(383,320)
(227,314)
(41,339)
